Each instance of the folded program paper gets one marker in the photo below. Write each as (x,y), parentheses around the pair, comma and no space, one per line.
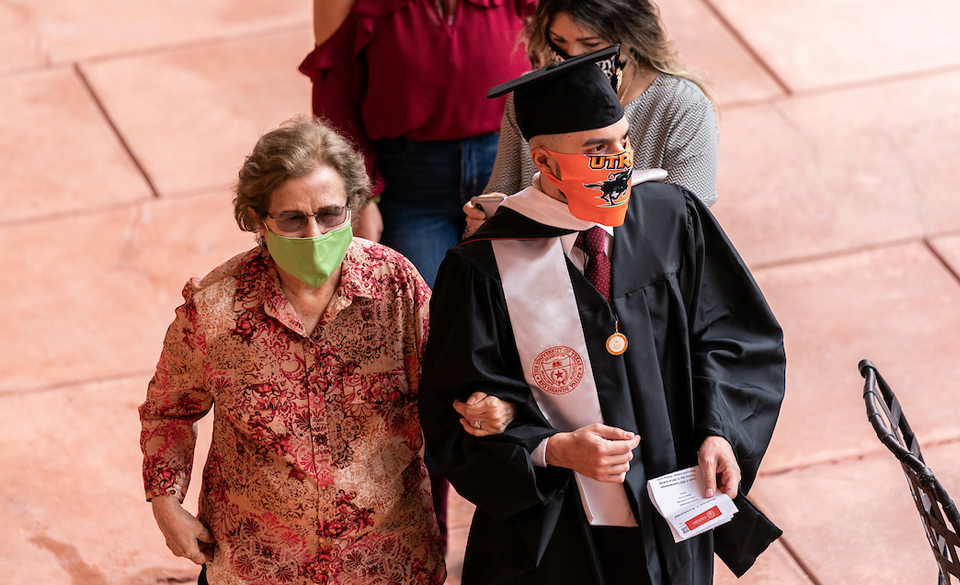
(679,497)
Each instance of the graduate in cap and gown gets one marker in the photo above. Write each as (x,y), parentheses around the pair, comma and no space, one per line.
(618,317)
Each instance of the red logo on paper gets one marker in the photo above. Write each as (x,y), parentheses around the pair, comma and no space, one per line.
(702,519)
(558,370)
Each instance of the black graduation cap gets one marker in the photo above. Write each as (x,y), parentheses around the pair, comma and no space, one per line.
(569,96)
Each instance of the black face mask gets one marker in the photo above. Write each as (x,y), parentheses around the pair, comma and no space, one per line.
(612,67)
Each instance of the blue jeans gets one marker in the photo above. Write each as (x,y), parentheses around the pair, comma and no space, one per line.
(426,185)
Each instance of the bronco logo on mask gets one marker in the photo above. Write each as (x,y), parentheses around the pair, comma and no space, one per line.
(597,187)
(617,183)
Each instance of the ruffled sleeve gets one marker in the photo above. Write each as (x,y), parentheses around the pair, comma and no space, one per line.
(526,7)
(338,72)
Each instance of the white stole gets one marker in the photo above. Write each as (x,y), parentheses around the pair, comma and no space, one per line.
(549,336)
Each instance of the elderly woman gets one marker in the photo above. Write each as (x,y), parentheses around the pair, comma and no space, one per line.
(308,349)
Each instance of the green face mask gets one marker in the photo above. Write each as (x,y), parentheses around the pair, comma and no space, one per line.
(311,260)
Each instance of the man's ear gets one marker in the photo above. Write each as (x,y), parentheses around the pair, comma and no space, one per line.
(544,161)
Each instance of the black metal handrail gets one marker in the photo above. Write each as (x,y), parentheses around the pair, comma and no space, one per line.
(928,493)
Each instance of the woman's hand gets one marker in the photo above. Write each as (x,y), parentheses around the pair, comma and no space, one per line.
(369,223)
(485,415)
(186,536)
(475,218)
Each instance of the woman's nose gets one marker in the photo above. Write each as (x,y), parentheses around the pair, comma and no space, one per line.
(312,229)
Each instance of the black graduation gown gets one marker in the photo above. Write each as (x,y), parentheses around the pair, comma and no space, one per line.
(705,357)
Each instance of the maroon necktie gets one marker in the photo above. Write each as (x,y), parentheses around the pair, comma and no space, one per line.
(597,269)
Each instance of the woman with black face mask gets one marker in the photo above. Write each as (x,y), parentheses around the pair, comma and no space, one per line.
(671,116)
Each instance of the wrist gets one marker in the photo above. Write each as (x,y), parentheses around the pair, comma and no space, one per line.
(554,455)
(164,501)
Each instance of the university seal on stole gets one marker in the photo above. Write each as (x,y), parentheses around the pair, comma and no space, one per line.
(558,370)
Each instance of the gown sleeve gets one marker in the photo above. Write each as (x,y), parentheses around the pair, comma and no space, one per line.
(738,368)
(737,356)
(177,398)
(470,348)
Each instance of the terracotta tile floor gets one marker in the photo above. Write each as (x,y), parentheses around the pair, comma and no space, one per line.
(60,155)
(123,125)
(188,113)
(814,44)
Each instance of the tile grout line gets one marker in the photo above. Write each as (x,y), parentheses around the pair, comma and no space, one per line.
(878,452)
(882,80)
(941,259)
(747,46)
(826,90)
(833,254)
(852,251)
(70,383)
(157,49)
(76,214)
(119,206)
(807,571)
(116,131)
(202,42)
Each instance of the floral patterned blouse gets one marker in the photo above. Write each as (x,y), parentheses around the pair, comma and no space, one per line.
(315,472)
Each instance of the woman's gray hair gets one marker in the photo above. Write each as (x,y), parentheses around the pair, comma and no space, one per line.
(295,149)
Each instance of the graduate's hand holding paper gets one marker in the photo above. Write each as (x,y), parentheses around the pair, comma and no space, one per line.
(717,460)
(681,499)
(597,451)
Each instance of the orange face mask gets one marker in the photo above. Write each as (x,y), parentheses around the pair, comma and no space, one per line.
(597,186)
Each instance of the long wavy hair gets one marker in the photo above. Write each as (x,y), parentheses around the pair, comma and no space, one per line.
(635,24)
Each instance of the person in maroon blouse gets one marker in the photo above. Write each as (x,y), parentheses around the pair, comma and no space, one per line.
(406,80)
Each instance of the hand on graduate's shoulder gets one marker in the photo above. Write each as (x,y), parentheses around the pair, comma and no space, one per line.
(478,213)
(484,415)
(717,460)
(597,451)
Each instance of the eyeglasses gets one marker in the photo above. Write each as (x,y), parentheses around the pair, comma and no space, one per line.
(294,221)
